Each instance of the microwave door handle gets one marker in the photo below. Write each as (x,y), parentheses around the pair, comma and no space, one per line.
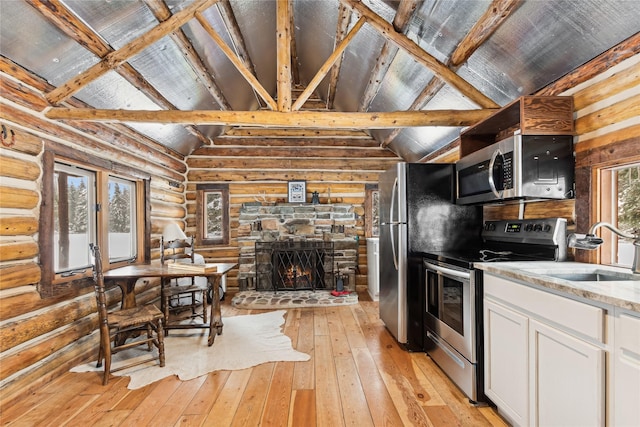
(492,183)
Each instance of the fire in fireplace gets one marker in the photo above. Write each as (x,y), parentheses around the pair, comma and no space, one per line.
(294,265)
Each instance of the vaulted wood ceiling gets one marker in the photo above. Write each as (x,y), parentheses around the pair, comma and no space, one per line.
(203,32)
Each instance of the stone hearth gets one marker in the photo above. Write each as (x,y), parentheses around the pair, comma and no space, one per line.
(290,299)
(336,223)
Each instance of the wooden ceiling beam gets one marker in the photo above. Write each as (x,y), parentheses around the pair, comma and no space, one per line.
(326,67)
(423,98)
(283,33)
(420,55)
(246,132)
(344,18)
(296,119)
(162,13)
(489,22)
(237,39)
(117,57)
(405,11)
(242,68)
(59,15)
(295,71)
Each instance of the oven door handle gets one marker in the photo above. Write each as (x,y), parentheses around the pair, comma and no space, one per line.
(448,271)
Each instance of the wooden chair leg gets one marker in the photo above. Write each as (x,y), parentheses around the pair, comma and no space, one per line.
(160,333)
(106,345)
(100,355)
(149,337)
(204,306)
(165,299)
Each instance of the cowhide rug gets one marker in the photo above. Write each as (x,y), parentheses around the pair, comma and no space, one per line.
(246,341)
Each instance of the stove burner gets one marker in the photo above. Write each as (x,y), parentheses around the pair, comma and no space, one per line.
(487,255)
(534,240)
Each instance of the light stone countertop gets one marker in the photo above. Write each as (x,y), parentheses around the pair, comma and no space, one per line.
(623,293)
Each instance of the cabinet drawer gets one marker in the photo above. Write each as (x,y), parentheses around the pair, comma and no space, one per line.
(576,316)
(628,333)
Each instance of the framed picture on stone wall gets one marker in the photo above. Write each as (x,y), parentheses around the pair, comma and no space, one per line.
(297,191)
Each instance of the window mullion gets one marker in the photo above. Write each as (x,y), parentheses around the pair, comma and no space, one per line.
(102,214)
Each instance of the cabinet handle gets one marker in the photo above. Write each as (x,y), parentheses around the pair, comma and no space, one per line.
(630,357)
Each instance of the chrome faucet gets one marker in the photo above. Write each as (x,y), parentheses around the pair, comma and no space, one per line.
(590,241)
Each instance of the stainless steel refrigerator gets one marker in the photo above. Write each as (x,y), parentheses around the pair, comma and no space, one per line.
(418,215)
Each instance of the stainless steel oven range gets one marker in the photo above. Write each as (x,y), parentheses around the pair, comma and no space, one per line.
(453,320)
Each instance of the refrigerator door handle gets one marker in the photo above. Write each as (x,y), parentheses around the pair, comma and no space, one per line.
(393,223)
(392,207)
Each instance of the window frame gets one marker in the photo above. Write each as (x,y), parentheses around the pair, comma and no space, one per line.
(52,284)
(591,164)
(201,190)
(70,168)
(608,211)
(134,213)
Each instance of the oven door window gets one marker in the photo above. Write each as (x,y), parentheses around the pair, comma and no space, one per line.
(445,299)
(452,308)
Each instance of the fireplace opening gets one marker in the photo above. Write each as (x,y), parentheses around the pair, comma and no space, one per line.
(294,265)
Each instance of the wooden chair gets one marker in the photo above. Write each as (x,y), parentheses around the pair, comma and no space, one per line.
(176,251)
(117,326)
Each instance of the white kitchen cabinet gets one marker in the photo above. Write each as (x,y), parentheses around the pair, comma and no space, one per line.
(566,377)
(373,267)
(626,369)
(506,361)
(544,361)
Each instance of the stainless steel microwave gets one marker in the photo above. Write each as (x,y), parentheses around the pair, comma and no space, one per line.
(519,167)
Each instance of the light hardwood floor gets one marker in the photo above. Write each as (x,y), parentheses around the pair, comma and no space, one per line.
(357,375)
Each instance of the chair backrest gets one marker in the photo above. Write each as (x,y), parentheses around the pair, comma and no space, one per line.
(101,296)
(177,249)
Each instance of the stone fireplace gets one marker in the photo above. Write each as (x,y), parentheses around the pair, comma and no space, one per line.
(327,235)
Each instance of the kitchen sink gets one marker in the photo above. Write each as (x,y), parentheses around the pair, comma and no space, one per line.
(593,276)
(583,272)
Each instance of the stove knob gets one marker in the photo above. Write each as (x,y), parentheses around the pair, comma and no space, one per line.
(547,228)
(490,226)
(538,227)
(528,227)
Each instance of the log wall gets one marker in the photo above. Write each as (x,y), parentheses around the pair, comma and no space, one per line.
(42,338)
(257,164)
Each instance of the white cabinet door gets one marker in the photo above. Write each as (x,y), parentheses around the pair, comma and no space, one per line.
(567,379)
(506,361)
(626,370)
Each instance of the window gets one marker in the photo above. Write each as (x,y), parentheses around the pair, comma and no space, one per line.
(212,214)
(74,219)
(372,210)
(122,219)
(620,206)
(87,202)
